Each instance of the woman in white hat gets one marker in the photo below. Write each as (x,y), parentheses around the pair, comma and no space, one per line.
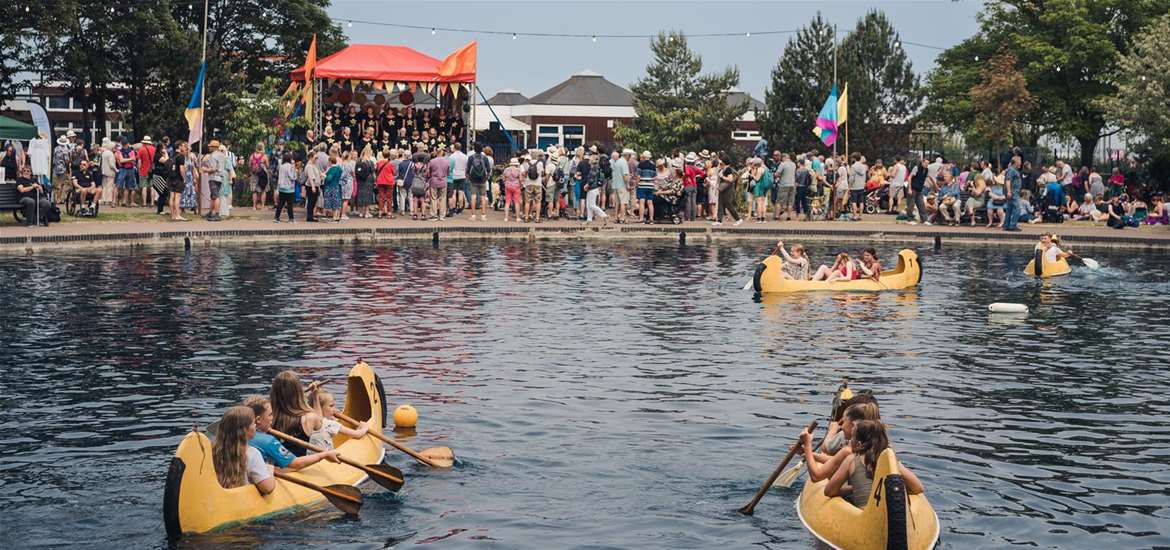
(512,177)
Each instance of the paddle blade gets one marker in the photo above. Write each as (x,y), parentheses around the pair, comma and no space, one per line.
(789,476)
(346,498)
(748,286)
(382,474)
(1091,263)
(440,457)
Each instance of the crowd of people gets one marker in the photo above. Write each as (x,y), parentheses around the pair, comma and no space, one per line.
(390,161)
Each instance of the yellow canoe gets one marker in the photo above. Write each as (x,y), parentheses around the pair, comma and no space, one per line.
(908,273)
(887,522)
(1047,269)
(195,502)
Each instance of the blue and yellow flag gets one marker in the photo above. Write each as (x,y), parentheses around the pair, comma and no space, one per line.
(194,112)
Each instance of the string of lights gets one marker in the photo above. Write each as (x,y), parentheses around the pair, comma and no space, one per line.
(594,37)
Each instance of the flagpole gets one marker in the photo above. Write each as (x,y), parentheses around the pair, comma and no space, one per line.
(834,77)
(203,82)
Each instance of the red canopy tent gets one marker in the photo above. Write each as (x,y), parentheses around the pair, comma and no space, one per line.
(394,64)
(383,67)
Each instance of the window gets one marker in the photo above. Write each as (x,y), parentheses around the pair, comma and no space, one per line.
(744,135)
(570,136)
(59,103)
(548,135)
(574,136)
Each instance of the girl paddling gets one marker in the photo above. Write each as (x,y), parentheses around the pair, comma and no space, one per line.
(291,413)
(237,463)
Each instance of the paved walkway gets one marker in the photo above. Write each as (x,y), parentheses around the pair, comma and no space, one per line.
(132,225)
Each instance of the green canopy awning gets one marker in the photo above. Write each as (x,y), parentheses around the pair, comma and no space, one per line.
(10,128)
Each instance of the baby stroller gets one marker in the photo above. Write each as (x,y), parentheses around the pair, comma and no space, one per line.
(876,197)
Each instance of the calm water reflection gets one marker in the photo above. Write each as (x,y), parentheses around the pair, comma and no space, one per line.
(598,395)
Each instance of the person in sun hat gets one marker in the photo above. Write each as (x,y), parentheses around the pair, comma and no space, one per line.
(691,175)
(619,185)
(62,172)
(145,167)
(512,179)
(645,191)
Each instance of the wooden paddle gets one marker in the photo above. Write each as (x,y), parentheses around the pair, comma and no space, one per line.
(435,457)
(386,476)
(789,476)
(750,507)
(345,497)
(1087,262)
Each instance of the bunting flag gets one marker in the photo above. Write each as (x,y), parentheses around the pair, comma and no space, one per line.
(843,107)
(310,65)
(827,119)
(194,112)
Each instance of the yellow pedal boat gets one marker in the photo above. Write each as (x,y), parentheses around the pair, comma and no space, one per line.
(1047,269)
(888,522)
(195,502)
(908,273)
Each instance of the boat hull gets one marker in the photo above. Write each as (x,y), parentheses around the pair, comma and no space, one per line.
(891,520)
(194,502)
(908,273)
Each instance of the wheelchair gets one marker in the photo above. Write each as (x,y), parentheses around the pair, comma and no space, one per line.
(74,206)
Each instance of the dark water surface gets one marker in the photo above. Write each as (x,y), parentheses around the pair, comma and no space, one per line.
(597,395)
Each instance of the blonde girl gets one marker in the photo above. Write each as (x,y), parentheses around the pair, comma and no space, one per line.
(291,413)
(328,426)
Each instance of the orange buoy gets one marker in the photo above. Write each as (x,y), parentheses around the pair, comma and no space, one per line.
(405,416)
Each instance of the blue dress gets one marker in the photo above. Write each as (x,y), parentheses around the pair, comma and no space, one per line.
(187,199)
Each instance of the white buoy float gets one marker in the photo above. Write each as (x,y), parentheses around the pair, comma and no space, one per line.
(1003,307)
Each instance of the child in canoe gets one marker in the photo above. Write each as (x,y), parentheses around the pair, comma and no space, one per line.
(236,462)
(842,270)
(270,447)
(328,426)
(854,478)
(822,465)
(796,264)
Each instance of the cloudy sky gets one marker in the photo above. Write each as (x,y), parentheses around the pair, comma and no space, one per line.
(533,64)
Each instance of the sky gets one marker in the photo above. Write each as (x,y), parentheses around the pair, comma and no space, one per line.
(534,64)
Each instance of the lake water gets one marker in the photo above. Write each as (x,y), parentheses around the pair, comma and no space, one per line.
(597,395)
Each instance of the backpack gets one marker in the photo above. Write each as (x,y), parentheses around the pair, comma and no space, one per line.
(533,172)
(559,174)
(362,170)
(606,168)
(418,184)
(477,168)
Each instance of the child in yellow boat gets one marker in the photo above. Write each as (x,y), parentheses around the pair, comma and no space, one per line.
(842,270)
(822,466)
(796,264)
(328,427)
(869,267)
(269,446)
(1050,245)
(291,412)
(236,462)
(854,479)
(835,439)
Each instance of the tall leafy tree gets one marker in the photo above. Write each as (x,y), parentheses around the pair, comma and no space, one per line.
(884,92)
(1068,51)
(1001,99)
(1142,103)
(801,81)
(145,58)
(678,107)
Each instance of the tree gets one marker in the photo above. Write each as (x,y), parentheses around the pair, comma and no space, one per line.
(1142,103)
(678,107)
(1000,99)
(1068,52)
(884,92)
(801,81)
(153,51)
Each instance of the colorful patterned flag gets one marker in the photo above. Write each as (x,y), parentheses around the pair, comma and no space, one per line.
(826,127)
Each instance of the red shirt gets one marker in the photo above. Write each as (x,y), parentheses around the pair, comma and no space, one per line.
(690,172)
(145,159)
(385,173)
